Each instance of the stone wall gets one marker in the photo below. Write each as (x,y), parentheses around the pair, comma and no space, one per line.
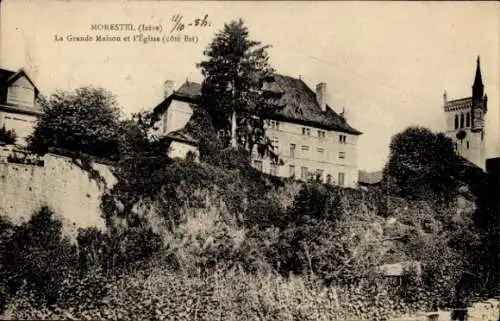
(54,181)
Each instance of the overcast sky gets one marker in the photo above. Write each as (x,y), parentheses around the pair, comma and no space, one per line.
(387,63)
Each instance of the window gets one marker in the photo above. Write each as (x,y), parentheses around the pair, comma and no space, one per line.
(342,139)
(257,164)
(303,173)
(275,143)
(321,153)
(467,120)
(291,170)
(274,124)
(461,120)
(321,134)
(306,131)
(342,155)
(292,150)
(304,149)
(341,179)
(274,170)
(456,121)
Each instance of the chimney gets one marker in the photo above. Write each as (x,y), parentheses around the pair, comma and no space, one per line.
(321,95)
(168,88)
(343,114)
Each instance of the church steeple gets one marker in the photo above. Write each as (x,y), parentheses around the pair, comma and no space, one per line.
(478,87)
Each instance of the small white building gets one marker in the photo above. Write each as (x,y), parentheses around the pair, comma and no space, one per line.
(19,110)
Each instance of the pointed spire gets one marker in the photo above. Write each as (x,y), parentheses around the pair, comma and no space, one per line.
(478,80)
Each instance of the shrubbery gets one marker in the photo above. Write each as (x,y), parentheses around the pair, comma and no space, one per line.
(7,136)
(202,221)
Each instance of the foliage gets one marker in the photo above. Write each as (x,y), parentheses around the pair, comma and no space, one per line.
(8,137)
(85,120)
(37,258)
(234,74)
(422,165)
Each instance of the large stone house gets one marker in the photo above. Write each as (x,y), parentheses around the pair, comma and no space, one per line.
(19,110)
(465,118)
(309,136)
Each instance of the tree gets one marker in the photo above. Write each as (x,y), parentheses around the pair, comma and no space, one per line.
(84,120)
(234,76)
(7,136)
(422,165)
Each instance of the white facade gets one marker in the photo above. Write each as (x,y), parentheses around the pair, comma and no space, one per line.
(176,117)
(307,151)
(181,150)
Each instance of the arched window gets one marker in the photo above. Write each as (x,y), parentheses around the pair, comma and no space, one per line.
(461,120)
(467,120)
(456,121)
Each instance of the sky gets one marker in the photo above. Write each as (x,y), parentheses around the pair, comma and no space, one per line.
(387,63)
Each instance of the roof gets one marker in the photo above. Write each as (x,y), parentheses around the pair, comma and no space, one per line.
(5,75)
(370,178)
(461,103)
(301,106)
(9,76)
(297,99)
(188,90)
(478,80)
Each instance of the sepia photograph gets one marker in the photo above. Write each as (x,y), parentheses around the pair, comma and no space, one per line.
(250,160)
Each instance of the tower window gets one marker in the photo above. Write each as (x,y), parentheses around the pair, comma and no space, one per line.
(456,121)
(467,120)
(461,120)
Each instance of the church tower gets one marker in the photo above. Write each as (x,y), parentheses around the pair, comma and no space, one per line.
(465,120)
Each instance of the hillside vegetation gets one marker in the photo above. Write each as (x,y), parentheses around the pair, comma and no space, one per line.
(218,239)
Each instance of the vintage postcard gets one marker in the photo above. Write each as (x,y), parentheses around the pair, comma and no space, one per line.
(249,160)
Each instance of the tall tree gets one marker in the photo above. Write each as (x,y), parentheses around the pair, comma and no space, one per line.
(422,165)
(233,86)
(84,120)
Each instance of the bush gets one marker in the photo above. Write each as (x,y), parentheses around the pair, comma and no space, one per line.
(8,137)
(38,259)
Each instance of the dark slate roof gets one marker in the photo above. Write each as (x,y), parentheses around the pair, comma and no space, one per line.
(478,79)
(301,106)
(297,99)
(188,90)
(370,178)
(5,75)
